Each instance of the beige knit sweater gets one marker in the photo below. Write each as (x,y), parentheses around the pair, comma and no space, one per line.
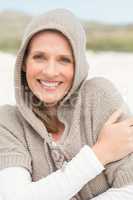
(24,140)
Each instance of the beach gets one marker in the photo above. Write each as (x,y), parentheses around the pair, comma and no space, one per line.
(117,67)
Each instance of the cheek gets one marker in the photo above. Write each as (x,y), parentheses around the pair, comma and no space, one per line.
(70,74)
(31,70)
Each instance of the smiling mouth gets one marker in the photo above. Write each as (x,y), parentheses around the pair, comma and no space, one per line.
(51,85)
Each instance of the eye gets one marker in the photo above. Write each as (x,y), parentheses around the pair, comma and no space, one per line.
(38,57)
(65,60)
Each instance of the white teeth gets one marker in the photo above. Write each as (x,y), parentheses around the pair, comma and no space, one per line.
(48,84)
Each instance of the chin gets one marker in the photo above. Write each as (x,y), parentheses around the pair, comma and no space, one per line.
(50,102)
(53,100)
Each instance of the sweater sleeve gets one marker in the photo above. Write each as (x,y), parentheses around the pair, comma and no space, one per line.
(13,148)
(16,183)
(107,100)
(117,193)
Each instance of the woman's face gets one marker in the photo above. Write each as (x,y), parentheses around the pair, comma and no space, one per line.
(49,66)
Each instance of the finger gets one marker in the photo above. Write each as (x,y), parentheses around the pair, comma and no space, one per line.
(115,116)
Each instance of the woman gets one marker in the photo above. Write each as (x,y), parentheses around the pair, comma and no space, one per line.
(59,141)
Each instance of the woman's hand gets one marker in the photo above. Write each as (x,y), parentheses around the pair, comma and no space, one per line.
(115,140)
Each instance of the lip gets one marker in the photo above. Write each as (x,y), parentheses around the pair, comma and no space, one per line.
(50,89)
(50,81)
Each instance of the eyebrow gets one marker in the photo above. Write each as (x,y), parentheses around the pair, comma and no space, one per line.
(41,52)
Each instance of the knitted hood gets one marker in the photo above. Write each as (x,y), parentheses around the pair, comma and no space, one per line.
(65,22)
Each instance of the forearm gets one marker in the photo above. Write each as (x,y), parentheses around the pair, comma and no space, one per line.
(62,184)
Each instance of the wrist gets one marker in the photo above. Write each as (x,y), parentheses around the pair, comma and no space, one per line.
(101,154)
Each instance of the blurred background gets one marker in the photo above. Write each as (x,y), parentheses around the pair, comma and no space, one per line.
(109,30)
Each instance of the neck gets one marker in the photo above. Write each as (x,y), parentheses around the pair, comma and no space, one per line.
(52,110)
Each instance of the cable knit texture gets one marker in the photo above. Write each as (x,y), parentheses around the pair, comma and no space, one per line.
(24,140)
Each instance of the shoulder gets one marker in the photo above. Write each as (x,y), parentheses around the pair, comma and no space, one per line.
(10,120)
(101,96)
(101,88)
(99,84)
(8,113)
(7,109)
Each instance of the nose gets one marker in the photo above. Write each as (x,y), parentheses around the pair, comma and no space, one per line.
(50,69)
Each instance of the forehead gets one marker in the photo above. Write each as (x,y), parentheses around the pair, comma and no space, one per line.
(51,38)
